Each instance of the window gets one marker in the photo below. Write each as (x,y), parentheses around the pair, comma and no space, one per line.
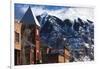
(17,57)
(37,32)
(16,37)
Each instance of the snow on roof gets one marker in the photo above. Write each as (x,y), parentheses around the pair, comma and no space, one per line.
(36,21)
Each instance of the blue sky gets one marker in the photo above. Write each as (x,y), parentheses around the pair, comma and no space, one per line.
(61,12)
(20,7)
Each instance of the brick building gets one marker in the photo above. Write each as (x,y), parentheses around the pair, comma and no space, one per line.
(57,56)
(27,43)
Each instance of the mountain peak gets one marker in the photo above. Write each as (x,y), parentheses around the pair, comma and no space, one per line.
(44,14)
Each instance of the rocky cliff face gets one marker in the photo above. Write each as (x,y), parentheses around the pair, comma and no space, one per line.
(77,35)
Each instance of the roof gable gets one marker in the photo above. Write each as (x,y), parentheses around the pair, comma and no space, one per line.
(29,18)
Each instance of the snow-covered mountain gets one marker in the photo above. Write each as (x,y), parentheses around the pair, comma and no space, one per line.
(77,35)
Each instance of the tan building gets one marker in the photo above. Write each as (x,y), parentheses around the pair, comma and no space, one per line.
(27,40)
(57,57)
(17,31)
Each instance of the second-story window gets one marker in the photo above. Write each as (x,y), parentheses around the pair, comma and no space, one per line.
(16,37)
